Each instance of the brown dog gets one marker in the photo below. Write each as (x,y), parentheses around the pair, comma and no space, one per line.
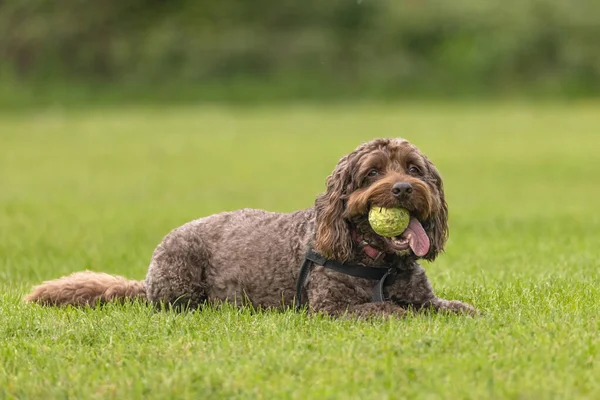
(253,256)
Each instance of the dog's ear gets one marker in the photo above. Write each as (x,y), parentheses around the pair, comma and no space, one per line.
(436,225)
(333,239)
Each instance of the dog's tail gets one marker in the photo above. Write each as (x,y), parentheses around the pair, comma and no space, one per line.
(86,288)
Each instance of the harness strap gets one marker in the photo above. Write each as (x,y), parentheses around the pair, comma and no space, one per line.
(378,295)
(357,271)
(304,269)
(382,275)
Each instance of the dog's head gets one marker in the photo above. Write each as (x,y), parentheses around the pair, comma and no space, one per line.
(386,173)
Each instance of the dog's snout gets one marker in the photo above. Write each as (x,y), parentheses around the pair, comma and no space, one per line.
(401,189)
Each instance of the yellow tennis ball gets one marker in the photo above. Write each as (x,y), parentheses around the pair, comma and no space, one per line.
(388,222)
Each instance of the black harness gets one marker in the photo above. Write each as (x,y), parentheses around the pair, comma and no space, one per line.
(383,275)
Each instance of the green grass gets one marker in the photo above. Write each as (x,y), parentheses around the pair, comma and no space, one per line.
(99,189)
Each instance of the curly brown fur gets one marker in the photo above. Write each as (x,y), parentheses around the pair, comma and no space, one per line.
(253,257)
(86,288)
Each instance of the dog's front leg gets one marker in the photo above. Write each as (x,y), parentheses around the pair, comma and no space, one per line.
(340,295)
(412,289)
(381,309)
(361,311)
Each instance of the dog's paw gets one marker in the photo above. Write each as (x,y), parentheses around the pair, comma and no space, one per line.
(459,307)
(455,307)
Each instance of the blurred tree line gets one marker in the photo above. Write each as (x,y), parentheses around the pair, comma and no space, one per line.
(305,47)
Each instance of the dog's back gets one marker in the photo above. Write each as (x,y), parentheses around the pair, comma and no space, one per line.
(244,255)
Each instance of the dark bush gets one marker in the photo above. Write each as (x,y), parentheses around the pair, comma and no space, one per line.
(378,47)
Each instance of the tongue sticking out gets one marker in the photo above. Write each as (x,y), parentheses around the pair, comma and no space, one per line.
(417,238)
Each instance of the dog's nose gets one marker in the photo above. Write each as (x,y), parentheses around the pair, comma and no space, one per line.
(401,189)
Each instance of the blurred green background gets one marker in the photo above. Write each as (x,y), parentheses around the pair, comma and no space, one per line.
(263,50)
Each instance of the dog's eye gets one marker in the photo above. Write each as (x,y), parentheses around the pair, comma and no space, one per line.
(414,170)
(372,173)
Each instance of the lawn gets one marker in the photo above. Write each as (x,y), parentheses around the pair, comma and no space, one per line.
(98,189)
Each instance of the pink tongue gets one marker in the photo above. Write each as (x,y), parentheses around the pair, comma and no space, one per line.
(418,240)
